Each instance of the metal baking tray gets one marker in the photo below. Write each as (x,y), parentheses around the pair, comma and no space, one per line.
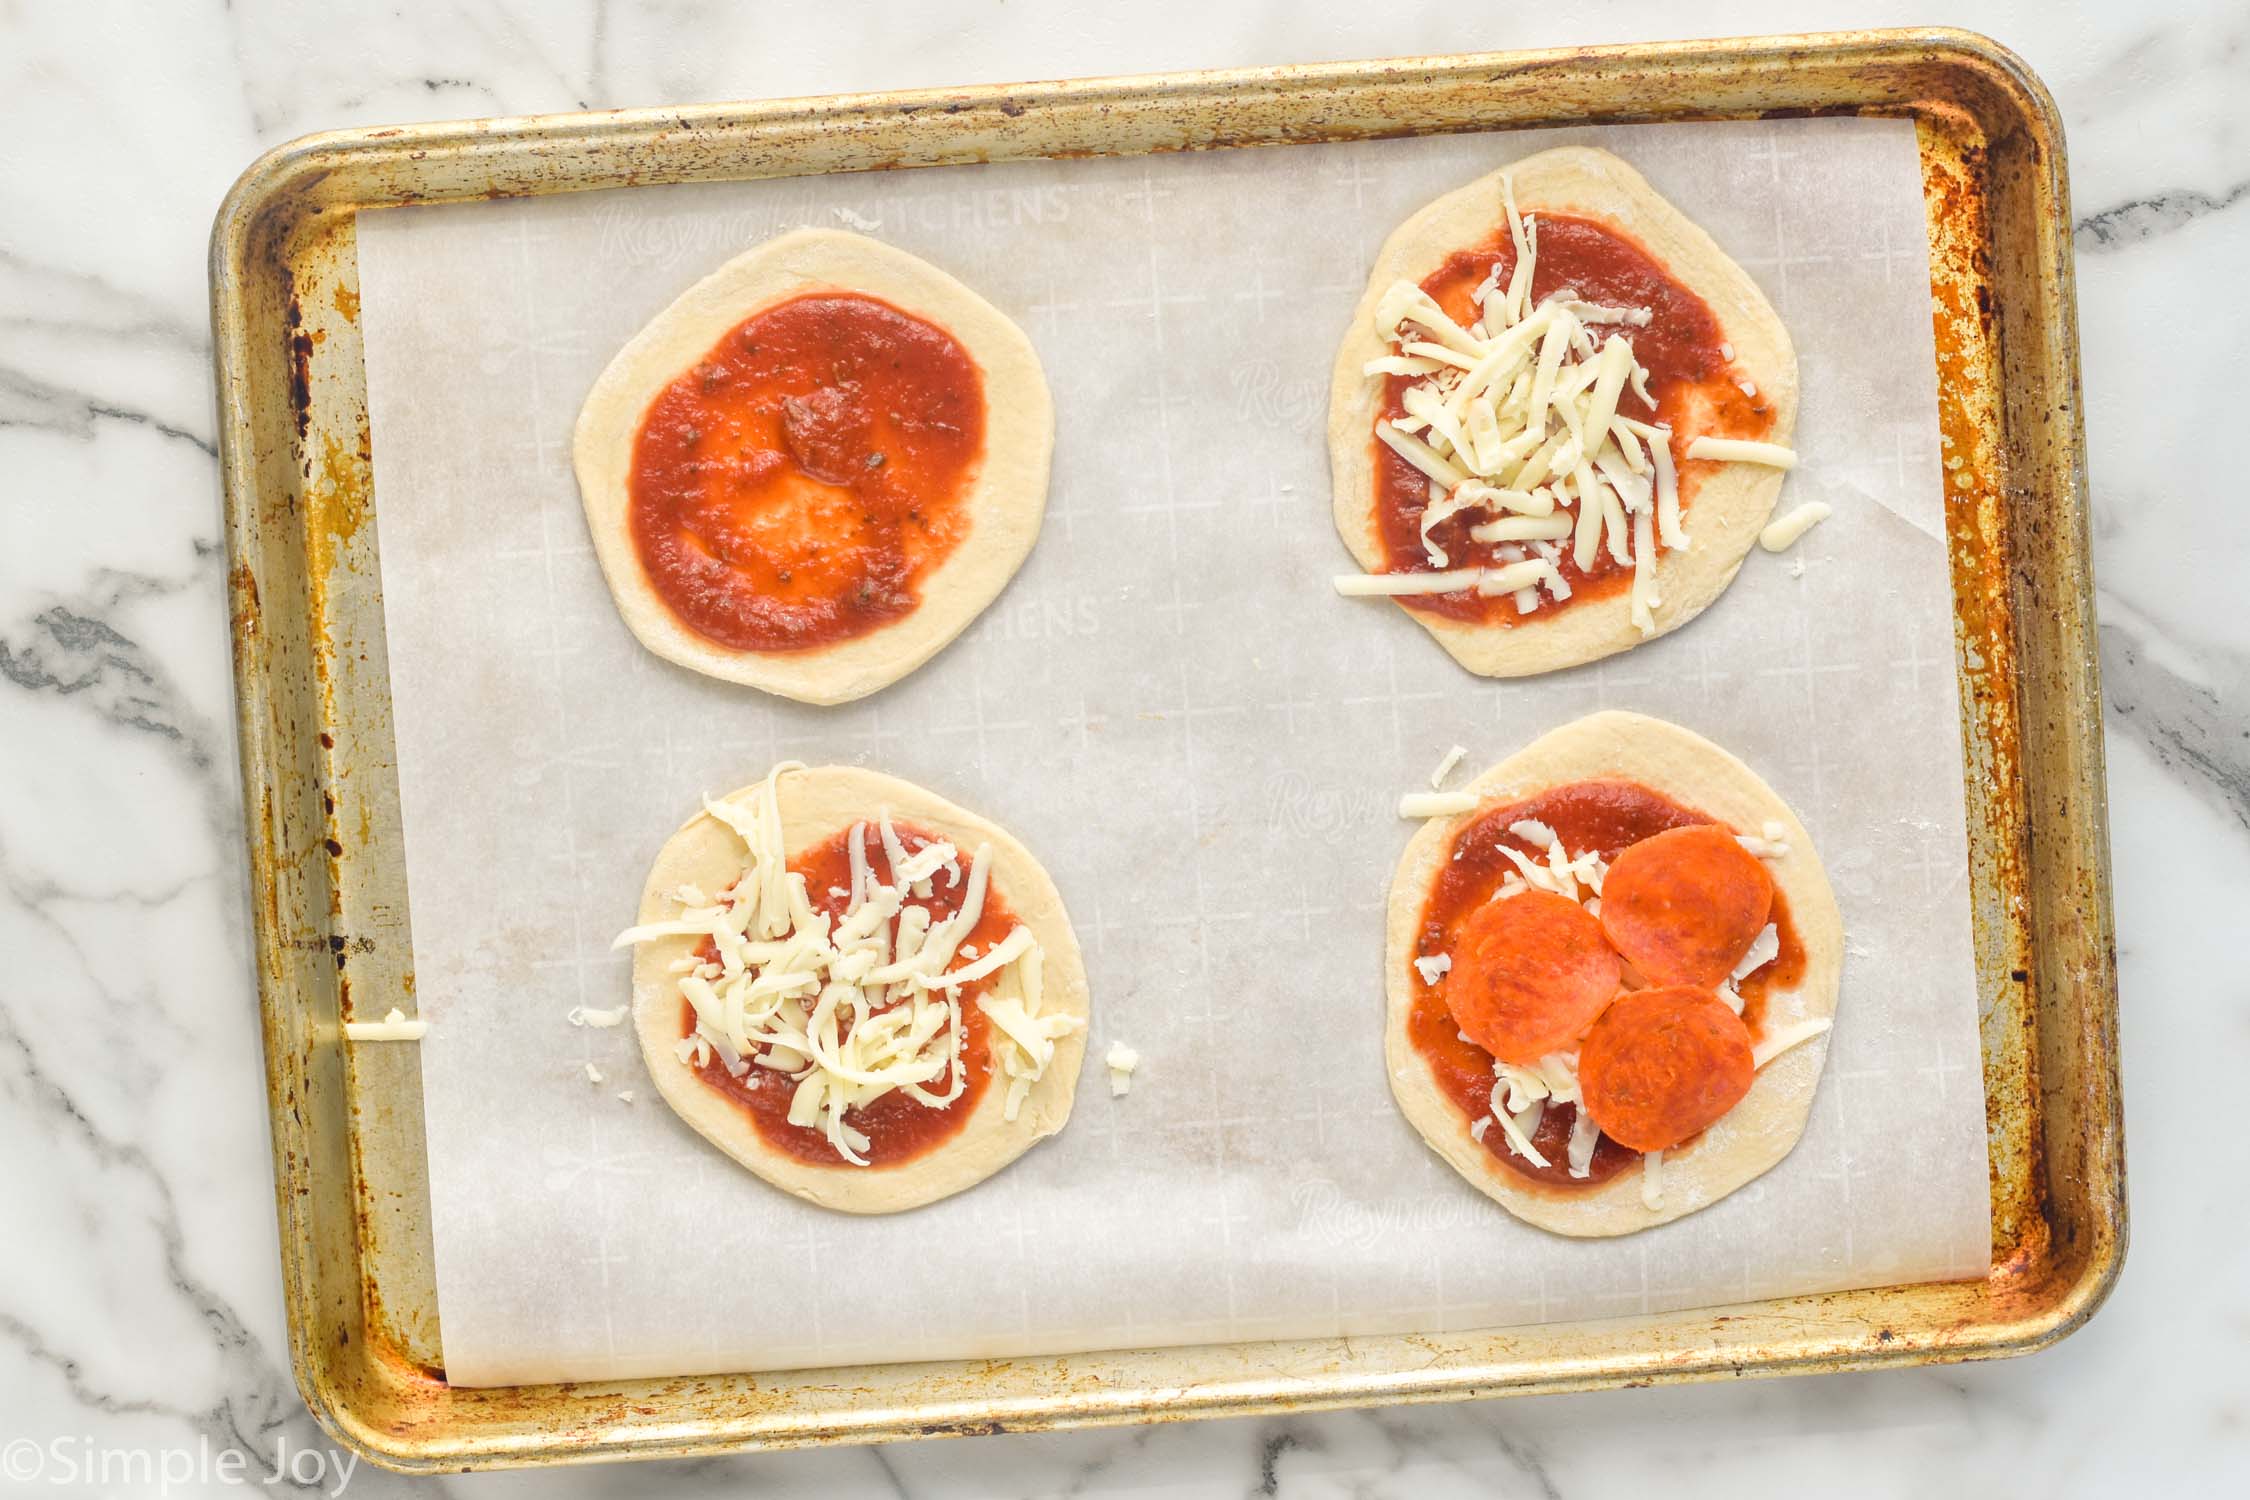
(321,793)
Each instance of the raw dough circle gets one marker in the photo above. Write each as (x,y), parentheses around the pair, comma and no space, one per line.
(1756,1133)
(1727,509)
(816,805)
(1006,498)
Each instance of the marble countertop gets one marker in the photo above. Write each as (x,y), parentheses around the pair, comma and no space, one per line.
(141,1329)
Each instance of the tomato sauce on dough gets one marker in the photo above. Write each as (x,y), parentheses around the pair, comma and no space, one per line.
(797,484)
(1604,817)
(1689,378)
(899,1128)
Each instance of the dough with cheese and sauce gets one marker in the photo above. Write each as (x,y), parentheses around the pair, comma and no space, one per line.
(1005,500)
(1760,1130)
(1726,509)
(817,805)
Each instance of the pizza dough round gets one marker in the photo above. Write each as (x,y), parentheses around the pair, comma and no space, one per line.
(816,805)
(1006,498)
(1726,511)
(1756,1133)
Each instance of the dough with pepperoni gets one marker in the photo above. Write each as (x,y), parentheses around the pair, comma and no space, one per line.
(1749,1138)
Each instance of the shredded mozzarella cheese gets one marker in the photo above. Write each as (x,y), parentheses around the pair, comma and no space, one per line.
(1121,1061)
(1778,1042)
(1585,1135)
(1786,532)
(1763,950)
(1767,847)
(1742,451)
(1445,766)
(1435,804)
(394,1027)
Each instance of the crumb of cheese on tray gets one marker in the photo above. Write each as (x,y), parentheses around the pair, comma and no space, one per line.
(394,1027)
(1122,1060)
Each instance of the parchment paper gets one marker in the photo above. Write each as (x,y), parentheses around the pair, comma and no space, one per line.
(1202,742)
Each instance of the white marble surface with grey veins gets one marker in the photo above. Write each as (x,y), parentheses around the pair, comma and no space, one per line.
(141,1331)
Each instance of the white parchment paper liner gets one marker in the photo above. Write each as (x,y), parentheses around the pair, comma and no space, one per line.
(1198,738)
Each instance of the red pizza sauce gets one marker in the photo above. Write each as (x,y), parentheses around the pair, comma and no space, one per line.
(1604,817)
(796,485)
(898,1127)
(1692,382)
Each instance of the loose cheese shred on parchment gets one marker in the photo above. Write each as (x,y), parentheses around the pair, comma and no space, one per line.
(846,1010)
(1524,417)
(1785,533)
(1121,1061)
(1436,804)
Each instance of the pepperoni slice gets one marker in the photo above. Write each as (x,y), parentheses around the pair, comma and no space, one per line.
(1660,1065)
(1683,907)
(1529,972)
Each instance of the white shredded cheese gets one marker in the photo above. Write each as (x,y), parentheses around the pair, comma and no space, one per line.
(1554,1077)
(1778,1042)
(1519,1139)
(1436,804)
(394,1027)
(1764,949)
(1121,1061)
(1652,1181)
(1445,766)
(593,1074)
(1784,533)
(624,1096)
(1488,581)
(1434,967)
(850,1009)
(1585,1135)
(1742,451)
(581,1015)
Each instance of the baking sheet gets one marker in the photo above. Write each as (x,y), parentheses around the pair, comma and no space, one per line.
(1202,743)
